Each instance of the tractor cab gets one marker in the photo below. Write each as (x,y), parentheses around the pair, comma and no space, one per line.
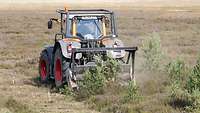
(86,24)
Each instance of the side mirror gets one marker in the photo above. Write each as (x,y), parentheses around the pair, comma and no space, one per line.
(50,24)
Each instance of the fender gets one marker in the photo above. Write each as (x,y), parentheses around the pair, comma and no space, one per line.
(63,45)
(49,51)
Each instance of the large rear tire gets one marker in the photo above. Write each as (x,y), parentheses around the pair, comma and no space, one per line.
(44,67)
(61,66)
(62,71)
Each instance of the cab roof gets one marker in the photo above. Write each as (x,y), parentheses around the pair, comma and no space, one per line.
(85,11)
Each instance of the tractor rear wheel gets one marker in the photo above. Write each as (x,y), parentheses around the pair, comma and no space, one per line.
(44,68)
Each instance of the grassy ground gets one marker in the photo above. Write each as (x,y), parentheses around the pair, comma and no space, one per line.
(24,33)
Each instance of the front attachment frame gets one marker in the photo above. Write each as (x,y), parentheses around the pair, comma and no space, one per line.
(131,56)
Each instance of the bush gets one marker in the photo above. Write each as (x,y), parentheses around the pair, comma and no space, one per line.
(194,100)
(66,91)
(96,78)
(185,85)
(132,93)
(177,71)
(110,68)
(194,79)
(193,87)
(178,96)
(152,52)
(93,81)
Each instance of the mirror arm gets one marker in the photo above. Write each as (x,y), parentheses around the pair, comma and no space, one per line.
(55,20)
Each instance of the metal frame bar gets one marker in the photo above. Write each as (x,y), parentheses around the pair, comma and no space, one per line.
(130,50)
(83,11)
(61,24)
(92,10)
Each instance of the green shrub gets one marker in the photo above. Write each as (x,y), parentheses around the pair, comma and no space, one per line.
(110,68)
(194,100)
(96,78)
(152,52)
(178,95)
(177,71)
(66,91)
(93,81)
(193,88)
(194,79)
(185,85)
(132,94)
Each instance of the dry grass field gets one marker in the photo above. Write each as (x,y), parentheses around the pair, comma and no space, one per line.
(24,33)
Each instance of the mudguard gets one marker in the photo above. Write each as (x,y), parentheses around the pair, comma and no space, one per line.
(63,44)
(49,50)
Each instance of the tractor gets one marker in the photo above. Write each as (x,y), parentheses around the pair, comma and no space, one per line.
(83,35)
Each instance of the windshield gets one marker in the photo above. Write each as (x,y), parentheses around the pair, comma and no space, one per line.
(90,28)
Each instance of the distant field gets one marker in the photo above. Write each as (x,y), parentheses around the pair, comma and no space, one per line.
(24,33)
(43,4)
